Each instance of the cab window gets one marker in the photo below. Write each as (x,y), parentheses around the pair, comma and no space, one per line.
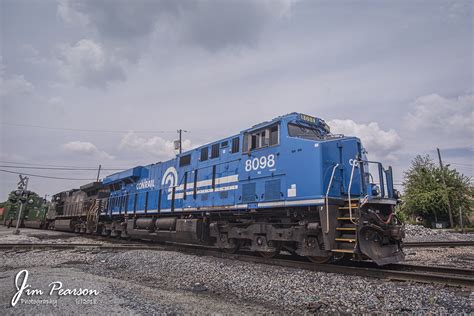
(262,138)
(296,130)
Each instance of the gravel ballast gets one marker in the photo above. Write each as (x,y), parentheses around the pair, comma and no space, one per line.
(156,281)
(169,282)
(419,233)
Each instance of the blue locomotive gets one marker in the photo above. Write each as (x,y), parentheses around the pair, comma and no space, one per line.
(286,184)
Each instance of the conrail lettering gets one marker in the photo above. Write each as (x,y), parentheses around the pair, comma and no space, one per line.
(145,184)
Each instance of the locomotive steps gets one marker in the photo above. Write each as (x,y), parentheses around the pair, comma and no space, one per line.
(346,230)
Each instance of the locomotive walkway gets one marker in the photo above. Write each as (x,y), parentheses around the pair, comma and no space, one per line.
(399,272)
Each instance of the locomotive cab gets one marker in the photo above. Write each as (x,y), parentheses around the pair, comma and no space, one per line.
(359,198)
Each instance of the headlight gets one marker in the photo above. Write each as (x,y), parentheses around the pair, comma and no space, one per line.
(375,190)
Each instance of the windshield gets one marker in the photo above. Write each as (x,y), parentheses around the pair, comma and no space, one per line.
(295,130)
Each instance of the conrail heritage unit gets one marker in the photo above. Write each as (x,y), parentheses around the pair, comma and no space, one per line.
(286,184)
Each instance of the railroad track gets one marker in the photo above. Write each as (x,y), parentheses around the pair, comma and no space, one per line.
(399,272)
(431,244)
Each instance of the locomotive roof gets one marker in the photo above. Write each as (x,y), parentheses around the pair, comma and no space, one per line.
(90,186)
(135,171)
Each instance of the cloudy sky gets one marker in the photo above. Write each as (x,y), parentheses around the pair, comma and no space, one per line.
(85,82)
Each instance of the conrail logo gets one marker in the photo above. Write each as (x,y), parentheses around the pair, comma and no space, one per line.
(170,177)
(145,184)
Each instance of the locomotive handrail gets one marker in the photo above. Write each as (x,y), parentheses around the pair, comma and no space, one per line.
(354,163)
(383,174)
(327,197)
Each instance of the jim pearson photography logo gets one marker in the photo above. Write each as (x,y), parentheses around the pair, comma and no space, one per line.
(55,290)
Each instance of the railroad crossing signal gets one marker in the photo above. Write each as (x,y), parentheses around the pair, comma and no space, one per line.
(22,187)
(23,182)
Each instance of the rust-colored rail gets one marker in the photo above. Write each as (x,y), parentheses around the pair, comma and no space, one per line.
(435,244)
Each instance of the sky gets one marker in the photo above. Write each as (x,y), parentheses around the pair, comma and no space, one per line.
(85,82)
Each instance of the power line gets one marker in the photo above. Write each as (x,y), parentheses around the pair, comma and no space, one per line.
(59,168)
(82,130)
(47,177)
(461,164)
(53,165)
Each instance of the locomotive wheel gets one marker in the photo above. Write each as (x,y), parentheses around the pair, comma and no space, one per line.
(341,257)
(234,249)
(319,260)
(271,254)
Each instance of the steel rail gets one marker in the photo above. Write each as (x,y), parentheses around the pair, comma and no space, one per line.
(431,269)
(32,246)
(400,272)
(430,244)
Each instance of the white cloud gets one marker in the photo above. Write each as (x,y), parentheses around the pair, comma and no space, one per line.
(87,63)
(55,101)
(31,55)
(157,146)
(86,149)
(379,143)
(68,11)
(14,84)
(57,104)
(436,113)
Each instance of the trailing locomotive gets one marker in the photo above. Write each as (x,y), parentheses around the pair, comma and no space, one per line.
(72,210)
(33,213)
(286,184)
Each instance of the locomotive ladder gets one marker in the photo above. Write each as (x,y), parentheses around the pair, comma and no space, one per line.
(346,230)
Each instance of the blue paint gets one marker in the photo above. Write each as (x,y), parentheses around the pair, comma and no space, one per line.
(285,171)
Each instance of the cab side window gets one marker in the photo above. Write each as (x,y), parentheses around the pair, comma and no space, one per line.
(274,136)
(269,136)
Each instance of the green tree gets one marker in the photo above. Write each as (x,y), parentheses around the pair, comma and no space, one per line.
(425,193)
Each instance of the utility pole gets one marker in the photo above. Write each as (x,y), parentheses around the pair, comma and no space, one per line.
(98,173)
(22,187)
(451,222)
(460,220)
(178,144)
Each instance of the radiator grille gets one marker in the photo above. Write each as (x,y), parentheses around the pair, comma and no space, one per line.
(224,194)
(248,192)
(272,190)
